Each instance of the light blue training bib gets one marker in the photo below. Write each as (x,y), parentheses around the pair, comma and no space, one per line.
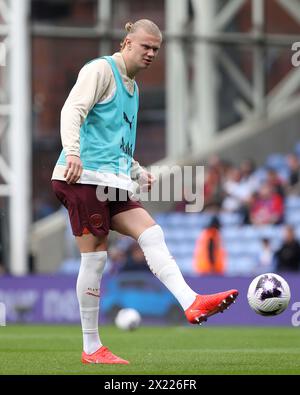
(107,136)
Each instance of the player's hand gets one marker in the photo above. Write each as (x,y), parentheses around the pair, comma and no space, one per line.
(73,169)
(146,180)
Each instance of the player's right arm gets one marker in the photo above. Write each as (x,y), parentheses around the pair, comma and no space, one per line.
(90,88)
(73,169)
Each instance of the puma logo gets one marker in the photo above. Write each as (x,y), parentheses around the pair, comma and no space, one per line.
(92,294)
(127,120)
(195,311)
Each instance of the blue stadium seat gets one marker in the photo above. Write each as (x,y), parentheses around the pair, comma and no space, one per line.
(276,161)
(292,217)
(199,220)
(186,265)
(161,219)
(297,231)
(252,248)
(292,201)
(233,248)
(260,174)
(268,231)
(183,250)
(276,243)
(175,234)
(193,219)
(242,242)
(176,219)
(193,233)
(284,173)
(241,266)
(231,233)
(228,218)
(240,247)
(69,266)
(297,149)
(249,232)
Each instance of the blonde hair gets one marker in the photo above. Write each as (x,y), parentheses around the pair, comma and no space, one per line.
(144,24)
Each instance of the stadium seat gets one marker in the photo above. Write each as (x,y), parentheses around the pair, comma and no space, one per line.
(193,219)
(276,161)
(292,202)
(231,232)
(228,218)
(292,217)
(297,231)
(70,267)
(241,266)
(260,174)
(268,231)
(161,219)
(241,242)
(249,232)
(176,219)
(234,248)
(297,149)
(174,234)
(193,233)
(186,265)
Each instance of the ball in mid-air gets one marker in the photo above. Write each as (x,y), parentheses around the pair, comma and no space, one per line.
(269,294)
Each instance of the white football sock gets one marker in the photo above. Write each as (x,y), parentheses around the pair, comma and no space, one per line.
(163,265)
(88,292)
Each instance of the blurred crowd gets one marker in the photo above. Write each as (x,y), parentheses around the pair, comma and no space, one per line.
(258,194)
(210,256)
(126,255)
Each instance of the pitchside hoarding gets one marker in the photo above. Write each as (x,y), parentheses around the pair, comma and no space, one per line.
(52,299)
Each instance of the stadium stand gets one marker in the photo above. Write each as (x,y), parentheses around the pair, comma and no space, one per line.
(242,241)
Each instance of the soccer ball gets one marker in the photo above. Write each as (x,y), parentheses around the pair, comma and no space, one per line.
(128,319)
(269,294)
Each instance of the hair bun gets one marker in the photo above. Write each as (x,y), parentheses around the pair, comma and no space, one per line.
(128,26)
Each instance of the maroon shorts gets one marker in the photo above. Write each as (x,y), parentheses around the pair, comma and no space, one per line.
(87,213)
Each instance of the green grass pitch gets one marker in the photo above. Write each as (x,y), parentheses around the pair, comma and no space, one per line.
(28,349)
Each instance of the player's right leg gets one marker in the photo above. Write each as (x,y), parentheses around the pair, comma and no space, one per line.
(90,225)
(205,306)
(138,224)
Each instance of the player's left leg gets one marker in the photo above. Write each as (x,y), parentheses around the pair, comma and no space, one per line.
(138,224)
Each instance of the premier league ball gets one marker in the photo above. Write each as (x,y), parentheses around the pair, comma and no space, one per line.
(269,294)
(128,319)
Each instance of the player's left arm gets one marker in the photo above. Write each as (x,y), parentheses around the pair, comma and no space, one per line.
(141,175)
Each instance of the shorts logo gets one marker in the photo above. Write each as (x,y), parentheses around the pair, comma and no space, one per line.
(96,220)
